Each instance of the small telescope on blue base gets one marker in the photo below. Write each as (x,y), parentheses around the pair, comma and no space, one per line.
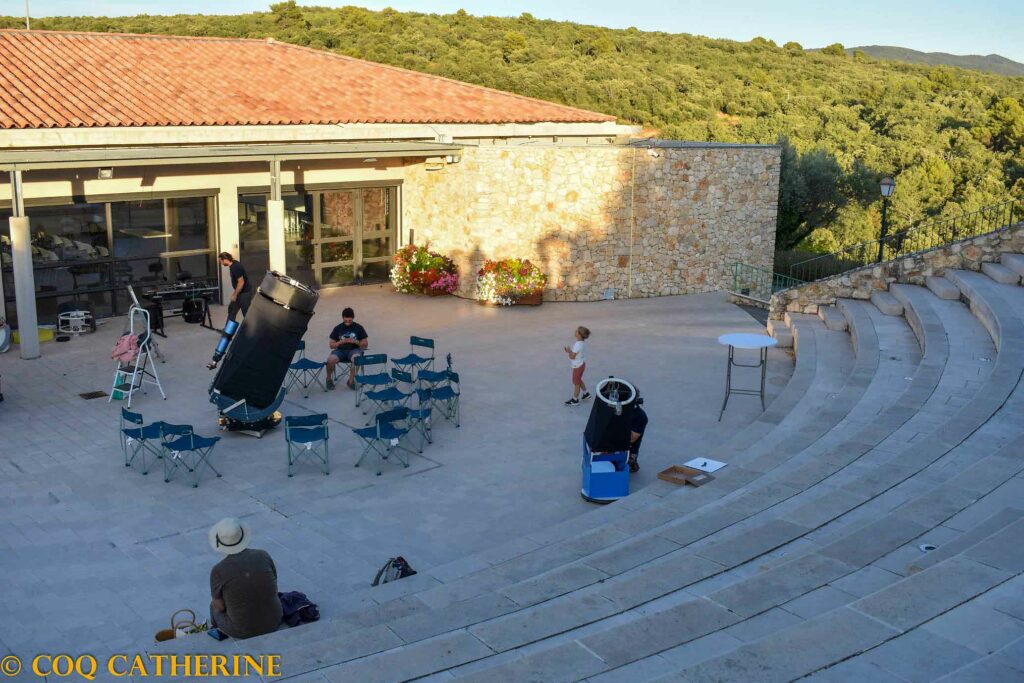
(255,354)
(605,442)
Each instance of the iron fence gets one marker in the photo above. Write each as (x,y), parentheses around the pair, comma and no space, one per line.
(758,283)
(921,237)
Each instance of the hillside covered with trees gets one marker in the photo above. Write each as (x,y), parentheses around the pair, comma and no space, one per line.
(954,139)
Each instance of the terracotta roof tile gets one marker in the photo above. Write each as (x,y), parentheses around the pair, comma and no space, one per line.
(57,79)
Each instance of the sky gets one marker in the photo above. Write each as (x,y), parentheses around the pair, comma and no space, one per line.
(980,27)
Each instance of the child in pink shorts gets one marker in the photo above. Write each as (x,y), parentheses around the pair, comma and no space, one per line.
(578,361)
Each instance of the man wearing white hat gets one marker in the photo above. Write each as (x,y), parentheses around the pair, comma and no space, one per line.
(243,585)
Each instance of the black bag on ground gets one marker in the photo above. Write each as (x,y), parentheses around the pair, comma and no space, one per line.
(297,609)
(394,569)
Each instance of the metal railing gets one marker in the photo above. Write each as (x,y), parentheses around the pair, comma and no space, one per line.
(921,237)
(758,283)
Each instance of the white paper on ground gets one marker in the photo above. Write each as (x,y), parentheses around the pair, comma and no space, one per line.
(705,464)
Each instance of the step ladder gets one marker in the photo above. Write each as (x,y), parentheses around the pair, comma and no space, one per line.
(133,376)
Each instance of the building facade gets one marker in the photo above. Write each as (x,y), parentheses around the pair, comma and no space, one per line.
(136,159)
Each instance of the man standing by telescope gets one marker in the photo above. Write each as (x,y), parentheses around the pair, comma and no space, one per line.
(241,294)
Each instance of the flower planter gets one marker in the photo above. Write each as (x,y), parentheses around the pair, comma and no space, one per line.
(430,291)
(528,300)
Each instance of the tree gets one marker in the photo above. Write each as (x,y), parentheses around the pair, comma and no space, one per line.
(835,49)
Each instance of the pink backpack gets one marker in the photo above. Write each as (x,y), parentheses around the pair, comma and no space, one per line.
(126,348)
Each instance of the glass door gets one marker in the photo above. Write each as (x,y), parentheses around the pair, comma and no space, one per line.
(376,243)
(335,236)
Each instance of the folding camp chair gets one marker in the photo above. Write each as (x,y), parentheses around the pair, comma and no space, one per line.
(431,379)
(446,396)
(419,418)
(139,440)
(305,372)
(191,452)
(371,371)
(383,436)
(386,398)
(306,435)
(415,361)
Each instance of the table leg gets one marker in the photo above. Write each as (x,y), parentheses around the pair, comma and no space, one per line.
(764,369)
(728,383)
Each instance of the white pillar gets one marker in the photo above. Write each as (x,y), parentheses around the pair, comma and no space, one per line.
(275,228)
(24,287)
(227,226)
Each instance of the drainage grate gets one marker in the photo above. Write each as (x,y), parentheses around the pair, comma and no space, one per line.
(89,395)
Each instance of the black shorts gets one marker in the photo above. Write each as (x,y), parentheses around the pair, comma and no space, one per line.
(347,354)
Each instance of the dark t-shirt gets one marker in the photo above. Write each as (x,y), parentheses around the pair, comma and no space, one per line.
(352,334)
(637,423)
(247,583)
(237,270)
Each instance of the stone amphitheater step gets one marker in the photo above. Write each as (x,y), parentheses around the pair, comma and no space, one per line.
(677,633)
(871,533)
(1014,262)
(1000,273)
(980,640)
(781,332)
(886,303)
(942,288)
(833,319)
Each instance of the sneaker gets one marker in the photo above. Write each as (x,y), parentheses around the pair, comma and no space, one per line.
(572,402)
(633,465)
(330,384)
(350,384)
(585,396)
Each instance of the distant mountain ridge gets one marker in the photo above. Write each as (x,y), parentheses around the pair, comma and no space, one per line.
(991,63)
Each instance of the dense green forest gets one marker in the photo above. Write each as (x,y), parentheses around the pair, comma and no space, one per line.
(954,139)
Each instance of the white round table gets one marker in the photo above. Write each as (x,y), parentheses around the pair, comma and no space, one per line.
(743,340)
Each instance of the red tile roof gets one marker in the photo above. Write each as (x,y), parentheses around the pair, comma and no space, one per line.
(57,79)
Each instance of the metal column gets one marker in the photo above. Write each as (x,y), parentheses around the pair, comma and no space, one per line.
(24,278)
(275,222)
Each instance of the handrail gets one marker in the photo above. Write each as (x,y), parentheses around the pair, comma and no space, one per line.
(920,237)
(758,283)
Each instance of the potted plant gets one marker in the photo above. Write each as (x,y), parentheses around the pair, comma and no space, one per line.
(417,270)
(510,282)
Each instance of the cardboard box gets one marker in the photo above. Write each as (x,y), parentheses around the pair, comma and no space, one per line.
(679,475)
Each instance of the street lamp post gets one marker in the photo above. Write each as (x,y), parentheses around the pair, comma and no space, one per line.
(887,185)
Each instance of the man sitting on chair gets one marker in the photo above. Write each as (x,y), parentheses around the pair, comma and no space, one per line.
(347,341)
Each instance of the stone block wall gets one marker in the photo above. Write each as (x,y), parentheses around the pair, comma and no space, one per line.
(966,254)
(640,222)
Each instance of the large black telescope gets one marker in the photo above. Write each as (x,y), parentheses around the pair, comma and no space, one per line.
(248,387)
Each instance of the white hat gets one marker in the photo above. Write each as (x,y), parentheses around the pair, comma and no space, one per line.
(230,536)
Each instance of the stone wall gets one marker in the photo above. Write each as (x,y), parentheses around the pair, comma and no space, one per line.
(966,254)
(693,212)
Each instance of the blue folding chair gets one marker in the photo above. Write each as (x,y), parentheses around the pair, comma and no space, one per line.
(383,436)
(419,418)
(306,435)
(139,440)
(431,379)
(415,361)
(371,371)
(305,372)
(446,396)
(191,452)
(386,398)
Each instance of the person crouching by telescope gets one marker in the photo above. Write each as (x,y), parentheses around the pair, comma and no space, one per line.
(638,423)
